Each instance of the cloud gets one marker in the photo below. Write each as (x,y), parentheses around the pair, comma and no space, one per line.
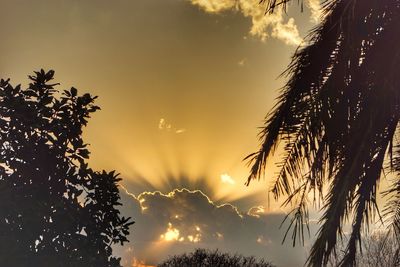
(288,33)
(215,6)
(242,62)
(183,220)
(225,178)
(263,25)
(256,211)
(316,11)
(181,130)
(163,125)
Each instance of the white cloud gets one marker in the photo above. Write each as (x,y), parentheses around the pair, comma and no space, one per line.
(163,125)
(225,178)
(288,33)
(215,6)
(315,8)
(178,131)
(263,25)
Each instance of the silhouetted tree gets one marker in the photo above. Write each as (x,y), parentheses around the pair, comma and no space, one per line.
(380,249)
(207,258)
(54,209)
(338,117)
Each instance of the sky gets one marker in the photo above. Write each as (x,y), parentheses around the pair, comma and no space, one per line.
(183,86)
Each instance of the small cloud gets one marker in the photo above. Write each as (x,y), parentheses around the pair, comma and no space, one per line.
(316,10)
(172,234)
(263,241)
(194,238)
(225,178)
(256,211)
(219,236)
(215,6)
(242,62)
(178,131)
(163,125)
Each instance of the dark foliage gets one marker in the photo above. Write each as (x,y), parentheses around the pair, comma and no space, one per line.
(54,209)
(207,258)
(380,249)
(338,119)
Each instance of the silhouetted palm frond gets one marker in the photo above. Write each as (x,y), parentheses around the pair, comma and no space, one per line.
(337,117)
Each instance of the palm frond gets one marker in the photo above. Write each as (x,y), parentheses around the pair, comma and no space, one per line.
(333,123)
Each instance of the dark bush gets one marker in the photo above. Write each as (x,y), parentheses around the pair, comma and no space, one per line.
(205,258)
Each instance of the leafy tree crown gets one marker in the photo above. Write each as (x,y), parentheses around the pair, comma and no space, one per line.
(55,210)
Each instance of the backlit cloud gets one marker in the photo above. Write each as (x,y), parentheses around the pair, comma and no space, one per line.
(215,6)
(163,125)
(274,25)
(315,8)
(181,130)
(172,234)
(256,211)
(287,32)
(242,62)
(183,220)
(225,178)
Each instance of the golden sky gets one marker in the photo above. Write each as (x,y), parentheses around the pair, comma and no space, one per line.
(183,85)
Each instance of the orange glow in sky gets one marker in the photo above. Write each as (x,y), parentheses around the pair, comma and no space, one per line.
(182,95)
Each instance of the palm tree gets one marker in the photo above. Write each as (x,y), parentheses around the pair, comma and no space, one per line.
(337,118)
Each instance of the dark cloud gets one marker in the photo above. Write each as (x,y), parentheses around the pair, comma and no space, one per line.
(168,224)
(137,184)
(169,182)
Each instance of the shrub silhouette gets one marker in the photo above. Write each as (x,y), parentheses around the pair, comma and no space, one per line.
(54,209)
(205,258)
